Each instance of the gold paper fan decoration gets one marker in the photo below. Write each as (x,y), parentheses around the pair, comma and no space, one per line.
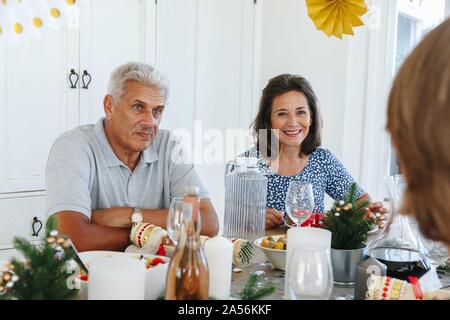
(336,17)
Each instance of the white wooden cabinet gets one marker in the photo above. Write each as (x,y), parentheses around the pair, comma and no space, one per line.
(112,32)
(42,94)
(205,47)
(35,106)
(23,215)
(38,101)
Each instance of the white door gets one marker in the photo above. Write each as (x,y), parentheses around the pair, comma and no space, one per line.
(224,86)
(176,58)
(208,56)
(36,105)
(112,32)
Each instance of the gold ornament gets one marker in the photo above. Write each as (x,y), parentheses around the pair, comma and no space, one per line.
(338,209)
(7,277)
(55,13)
(51,239)
(336,17)
(29,17)
(2,288)
(60,240)
(17,27)
(37,22)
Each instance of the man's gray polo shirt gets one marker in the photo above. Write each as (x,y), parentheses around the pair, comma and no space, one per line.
(84,174)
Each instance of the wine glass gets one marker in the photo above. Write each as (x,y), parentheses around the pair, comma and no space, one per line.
(299,201)
(178,212)
(435,251)
(309,274)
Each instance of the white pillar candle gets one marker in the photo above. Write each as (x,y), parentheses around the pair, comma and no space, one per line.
(219,255)
(116,278)
(311,236)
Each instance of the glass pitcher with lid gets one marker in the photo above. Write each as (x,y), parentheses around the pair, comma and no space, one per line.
(245,199)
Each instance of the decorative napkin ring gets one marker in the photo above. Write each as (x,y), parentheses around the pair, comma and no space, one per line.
(387,288)
(149,236)
(243,251)
(156,240)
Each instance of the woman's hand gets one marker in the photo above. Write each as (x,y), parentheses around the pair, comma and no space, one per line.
(377,207)
(378,213)
(273,218)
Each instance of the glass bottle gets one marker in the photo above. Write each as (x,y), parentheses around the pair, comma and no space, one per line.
(245,200)
(191,196)
(187,275)
(397,246)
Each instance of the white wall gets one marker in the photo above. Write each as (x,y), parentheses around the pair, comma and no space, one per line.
(211,82)
(336,69)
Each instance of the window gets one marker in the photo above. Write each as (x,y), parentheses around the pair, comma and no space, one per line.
(414,18)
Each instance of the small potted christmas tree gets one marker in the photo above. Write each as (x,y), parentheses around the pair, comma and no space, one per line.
(349,221)
(44,274)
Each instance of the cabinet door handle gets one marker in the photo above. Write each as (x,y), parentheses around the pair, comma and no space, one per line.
(36,221)
(86,74)
(73,73)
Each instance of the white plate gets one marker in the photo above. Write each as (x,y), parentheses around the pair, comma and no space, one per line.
(155,277)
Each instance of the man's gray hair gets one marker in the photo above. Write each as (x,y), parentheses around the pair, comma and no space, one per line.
(136,71)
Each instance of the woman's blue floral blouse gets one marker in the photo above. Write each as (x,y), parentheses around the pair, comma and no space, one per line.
(323,171)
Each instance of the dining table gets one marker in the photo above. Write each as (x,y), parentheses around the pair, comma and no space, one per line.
(269,275)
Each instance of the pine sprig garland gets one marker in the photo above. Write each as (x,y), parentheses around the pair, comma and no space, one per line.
(251,290)
(348,221)
(44,272)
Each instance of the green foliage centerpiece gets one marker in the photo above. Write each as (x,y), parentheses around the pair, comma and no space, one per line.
(349,221)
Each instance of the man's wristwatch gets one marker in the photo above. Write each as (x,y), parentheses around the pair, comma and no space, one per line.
(136,217)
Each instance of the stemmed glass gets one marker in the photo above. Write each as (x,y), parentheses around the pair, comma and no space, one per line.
(435,251)
(299,201)
(309,274)
(179,211)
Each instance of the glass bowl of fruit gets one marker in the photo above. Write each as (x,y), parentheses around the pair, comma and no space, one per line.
(274,247)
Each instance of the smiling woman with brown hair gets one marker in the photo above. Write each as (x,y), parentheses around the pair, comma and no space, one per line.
(289,114)
(418,121)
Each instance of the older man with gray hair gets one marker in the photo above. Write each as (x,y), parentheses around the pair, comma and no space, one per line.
(102,177)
